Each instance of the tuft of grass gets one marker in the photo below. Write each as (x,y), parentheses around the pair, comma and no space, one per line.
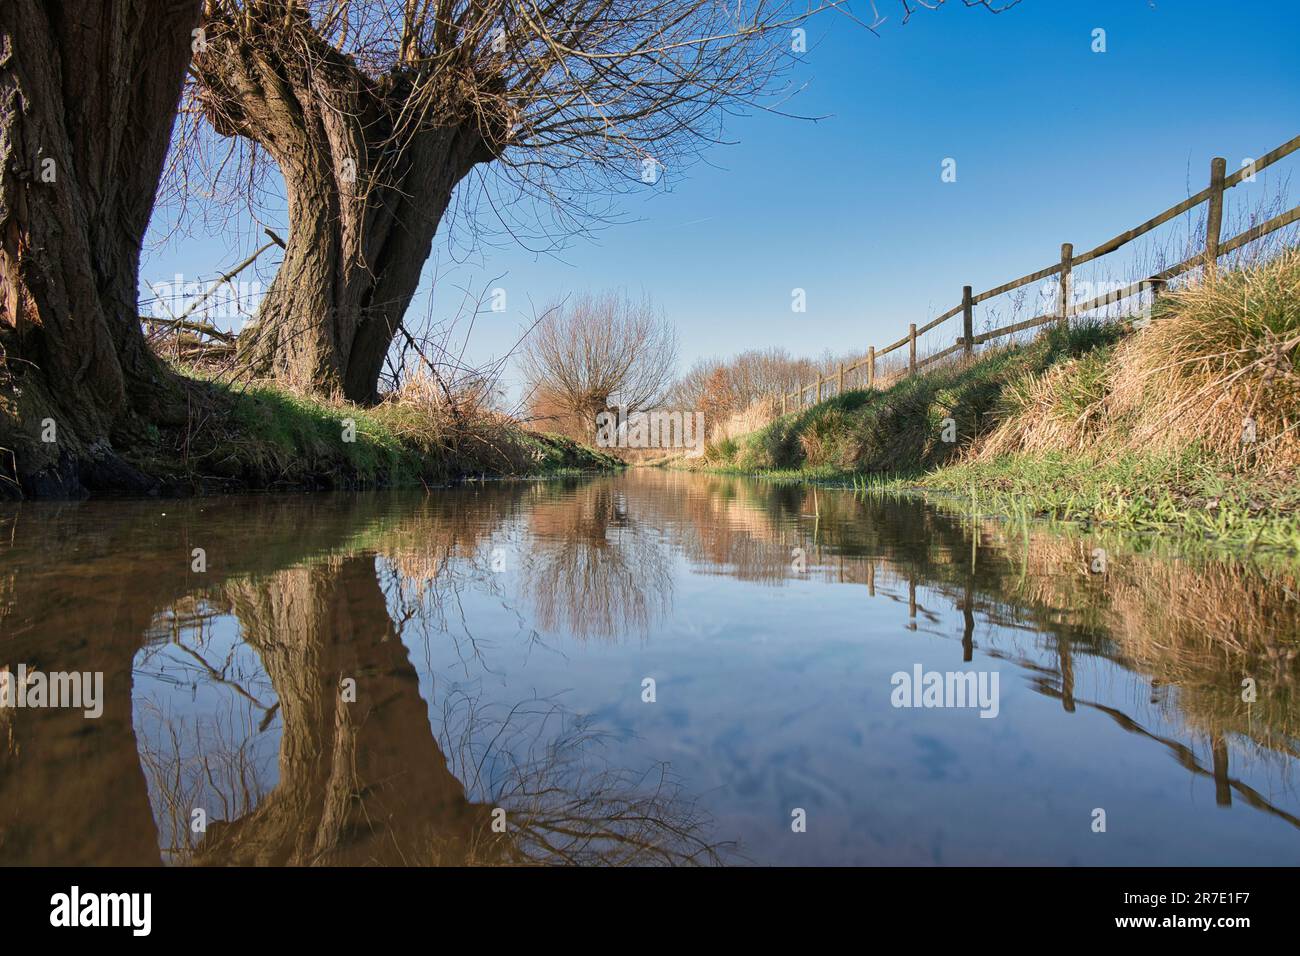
(722,451)
(1219,363)
(1059,408)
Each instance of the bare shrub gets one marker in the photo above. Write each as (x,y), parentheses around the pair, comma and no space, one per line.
(597,352)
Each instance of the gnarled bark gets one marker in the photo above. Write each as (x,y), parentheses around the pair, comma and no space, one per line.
(88,92)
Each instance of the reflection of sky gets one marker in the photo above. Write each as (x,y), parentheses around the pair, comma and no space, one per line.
(776,697)
(770,698)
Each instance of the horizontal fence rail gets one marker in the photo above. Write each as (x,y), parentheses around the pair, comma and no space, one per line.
(1215,248)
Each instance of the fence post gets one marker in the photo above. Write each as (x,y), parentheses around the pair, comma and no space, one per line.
(911,349)
(1063,296)
(1153,286)
(1214,215)
(967,320)
(871,366)
(783,401)
(819,386)
(839,388)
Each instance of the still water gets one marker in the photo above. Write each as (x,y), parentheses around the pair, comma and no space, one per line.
(648,668)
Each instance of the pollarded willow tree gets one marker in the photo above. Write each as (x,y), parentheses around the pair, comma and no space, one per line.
(374,111)
(597,352)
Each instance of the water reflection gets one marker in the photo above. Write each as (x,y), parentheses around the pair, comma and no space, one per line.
(498,635)
(597,569)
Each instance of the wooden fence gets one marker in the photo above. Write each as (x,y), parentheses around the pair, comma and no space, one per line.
(1215,247)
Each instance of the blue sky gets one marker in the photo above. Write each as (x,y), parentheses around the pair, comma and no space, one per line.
(1052,141)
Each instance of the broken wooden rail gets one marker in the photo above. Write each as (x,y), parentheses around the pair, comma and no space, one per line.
(183,322)
(1215,248)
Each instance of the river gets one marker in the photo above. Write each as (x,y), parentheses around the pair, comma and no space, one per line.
(653,667)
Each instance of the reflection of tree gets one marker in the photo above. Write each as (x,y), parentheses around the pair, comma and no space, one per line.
(213,763)
(365,782)
(434,554)
(99,580)
(563,802)
(360,782)
(375,781)
(71,789)
(592,569)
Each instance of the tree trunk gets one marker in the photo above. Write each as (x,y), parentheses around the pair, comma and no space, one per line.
(349,273)
(366,194)
(88,92)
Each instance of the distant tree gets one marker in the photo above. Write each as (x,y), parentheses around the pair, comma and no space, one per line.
(718,397)
(719,387)
(599,352)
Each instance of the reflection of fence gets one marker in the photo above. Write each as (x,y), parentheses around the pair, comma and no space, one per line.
(1215,247)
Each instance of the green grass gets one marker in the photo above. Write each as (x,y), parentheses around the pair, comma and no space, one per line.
(263,436)
(1187,493)
(892,442)
(821,474)
(902,428)
(286,432)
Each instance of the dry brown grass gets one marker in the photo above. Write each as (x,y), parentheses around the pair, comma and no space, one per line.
(1057,410)
(1221,354)
(747,420)
(458,420)
(1220,358)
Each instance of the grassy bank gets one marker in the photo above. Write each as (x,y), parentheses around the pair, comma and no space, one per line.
(275,437)
(264,437)
(1188,424)
(1191,494)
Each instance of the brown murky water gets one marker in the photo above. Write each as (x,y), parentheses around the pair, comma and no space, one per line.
(465,676)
